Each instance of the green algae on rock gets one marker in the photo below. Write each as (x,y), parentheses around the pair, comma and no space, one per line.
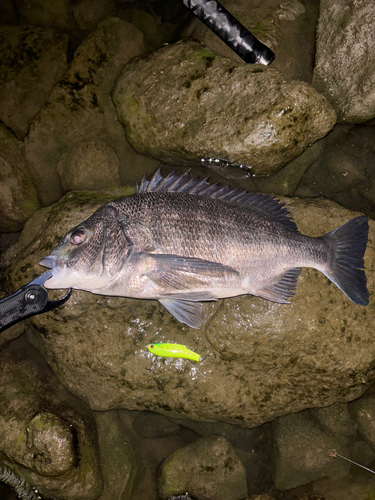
(184,102)
(208,469)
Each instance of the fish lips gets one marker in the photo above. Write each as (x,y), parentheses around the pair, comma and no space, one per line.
(49,262)
(58,275)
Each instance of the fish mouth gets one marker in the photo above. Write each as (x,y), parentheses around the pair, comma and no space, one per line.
(49,262)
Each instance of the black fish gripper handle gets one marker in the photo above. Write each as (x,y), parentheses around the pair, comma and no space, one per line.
(27,301)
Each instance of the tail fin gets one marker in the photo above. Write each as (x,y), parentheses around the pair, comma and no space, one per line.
(348,244)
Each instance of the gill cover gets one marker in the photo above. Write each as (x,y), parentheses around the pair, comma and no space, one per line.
(90,252)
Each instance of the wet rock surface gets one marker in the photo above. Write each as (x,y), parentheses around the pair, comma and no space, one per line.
(259,362)
(19,197)
(47,435)
(288,28)
(80,108)
(117,459)
(298,463)
(32,61)
(151,425)
(219,476)
(90,165)
(364,413)
(205,105)
(345,62)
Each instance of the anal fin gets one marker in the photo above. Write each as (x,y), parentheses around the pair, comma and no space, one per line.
(282,288)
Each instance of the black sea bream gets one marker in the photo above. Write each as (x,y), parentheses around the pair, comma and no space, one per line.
(183,241)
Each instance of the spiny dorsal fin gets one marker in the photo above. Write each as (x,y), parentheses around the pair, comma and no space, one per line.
(174,183)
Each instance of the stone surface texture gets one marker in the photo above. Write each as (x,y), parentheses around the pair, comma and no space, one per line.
(117,461)
(364,413)
(345,62)
(55,14)
(47,435)
(184,102)
(90,165)
(88,13)
(209,469)
(32,60)
(18,194)
(288,28)
(304,441)
(80,106)
(260,359)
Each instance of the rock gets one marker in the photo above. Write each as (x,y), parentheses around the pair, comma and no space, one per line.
(6,241)
(32,60)
(46,434)
(335,419)
(150,453)
(90,165)
(160,26)
(345,63)
(89,13)
(262,496)
(341,167)
(8,12)
(286,180)
(181,497)
(80,108)
(208,469)
(288,28)
(19,198)
(364,412)
(262,21)
(51,444)
(314,332)
(344,170)
(117,460)
(352,487)
(151,425)
(55,14)
(184,103)
(266,359)
(252,446)
(236,436)
(303,449)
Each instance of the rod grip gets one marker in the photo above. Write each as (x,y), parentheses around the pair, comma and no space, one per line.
(231,31)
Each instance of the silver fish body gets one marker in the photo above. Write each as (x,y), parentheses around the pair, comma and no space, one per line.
(183,241)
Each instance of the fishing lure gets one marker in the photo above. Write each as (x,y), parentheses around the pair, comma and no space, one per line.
(173,351)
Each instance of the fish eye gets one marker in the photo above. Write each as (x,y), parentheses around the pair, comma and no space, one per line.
(152,346)
(78,236)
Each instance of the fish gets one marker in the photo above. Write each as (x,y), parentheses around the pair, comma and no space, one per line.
(168,350)
(183,241)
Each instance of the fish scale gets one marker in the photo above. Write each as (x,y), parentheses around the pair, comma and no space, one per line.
(183,241)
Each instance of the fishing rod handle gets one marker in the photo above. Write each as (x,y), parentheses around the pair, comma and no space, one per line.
(231,31)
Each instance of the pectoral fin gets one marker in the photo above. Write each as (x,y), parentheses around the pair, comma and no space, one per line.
(182,273)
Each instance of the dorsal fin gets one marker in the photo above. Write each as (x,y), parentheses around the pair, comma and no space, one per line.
(174,183)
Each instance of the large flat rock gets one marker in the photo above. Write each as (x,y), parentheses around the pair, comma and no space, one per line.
(260,359)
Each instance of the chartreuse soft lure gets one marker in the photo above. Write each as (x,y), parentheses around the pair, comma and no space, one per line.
(173,351)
